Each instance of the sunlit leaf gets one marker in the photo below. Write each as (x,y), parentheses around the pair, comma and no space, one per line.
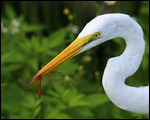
(36,111)
(37,103)
(78,103)
(53,114)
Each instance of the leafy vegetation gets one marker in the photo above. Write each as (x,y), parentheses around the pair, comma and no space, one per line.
(33,33)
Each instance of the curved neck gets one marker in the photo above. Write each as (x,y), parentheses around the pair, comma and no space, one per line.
(133,53)
(135,45)
(118,69)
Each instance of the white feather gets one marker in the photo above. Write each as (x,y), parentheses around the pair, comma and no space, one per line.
(119,68)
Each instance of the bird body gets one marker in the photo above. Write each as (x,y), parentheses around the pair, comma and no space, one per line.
(119,68)
(100,29)
(135,99)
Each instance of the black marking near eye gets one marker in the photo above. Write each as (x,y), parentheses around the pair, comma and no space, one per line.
(90,40)
(94,37)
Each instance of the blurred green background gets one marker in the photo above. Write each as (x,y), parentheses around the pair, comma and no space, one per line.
(33,33)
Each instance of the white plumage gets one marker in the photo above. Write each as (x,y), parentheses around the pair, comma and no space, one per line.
(135,99)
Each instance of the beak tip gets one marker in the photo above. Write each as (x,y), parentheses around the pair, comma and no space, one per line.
(31,80)
(27,83)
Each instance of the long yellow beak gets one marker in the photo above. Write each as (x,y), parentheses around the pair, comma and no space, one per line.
(72,50)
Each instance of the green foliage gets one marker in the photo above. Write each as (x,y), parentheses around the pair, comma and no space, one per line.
(33,33)
(97,99)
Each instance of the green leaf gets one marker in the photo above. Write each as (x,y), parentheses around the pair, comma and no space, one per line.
(65,95)
(57,37)
(6,56)
(55,113)
(57,86)
(97,99)
(55,94)
(29,101)
(31,28)
(35,44)
(52,53)
(52,114)
(37,103)
(36,111)
(73,99)
(33,63)
(9,97)
(62,116)
(68,67)
(68,95)
(13,67)
(84,111)
(10,12)
(78,103)
(3,85)
(25,47)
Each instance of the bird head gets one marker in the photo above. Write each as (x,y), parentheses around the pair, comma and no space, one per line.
(76,47)
(94,33)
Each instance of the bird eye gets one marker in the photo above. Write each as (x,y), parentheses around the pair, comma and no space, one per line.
(96,35)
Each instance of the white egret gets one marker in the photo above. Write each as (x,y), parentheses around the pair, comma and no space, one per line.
(100,29)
